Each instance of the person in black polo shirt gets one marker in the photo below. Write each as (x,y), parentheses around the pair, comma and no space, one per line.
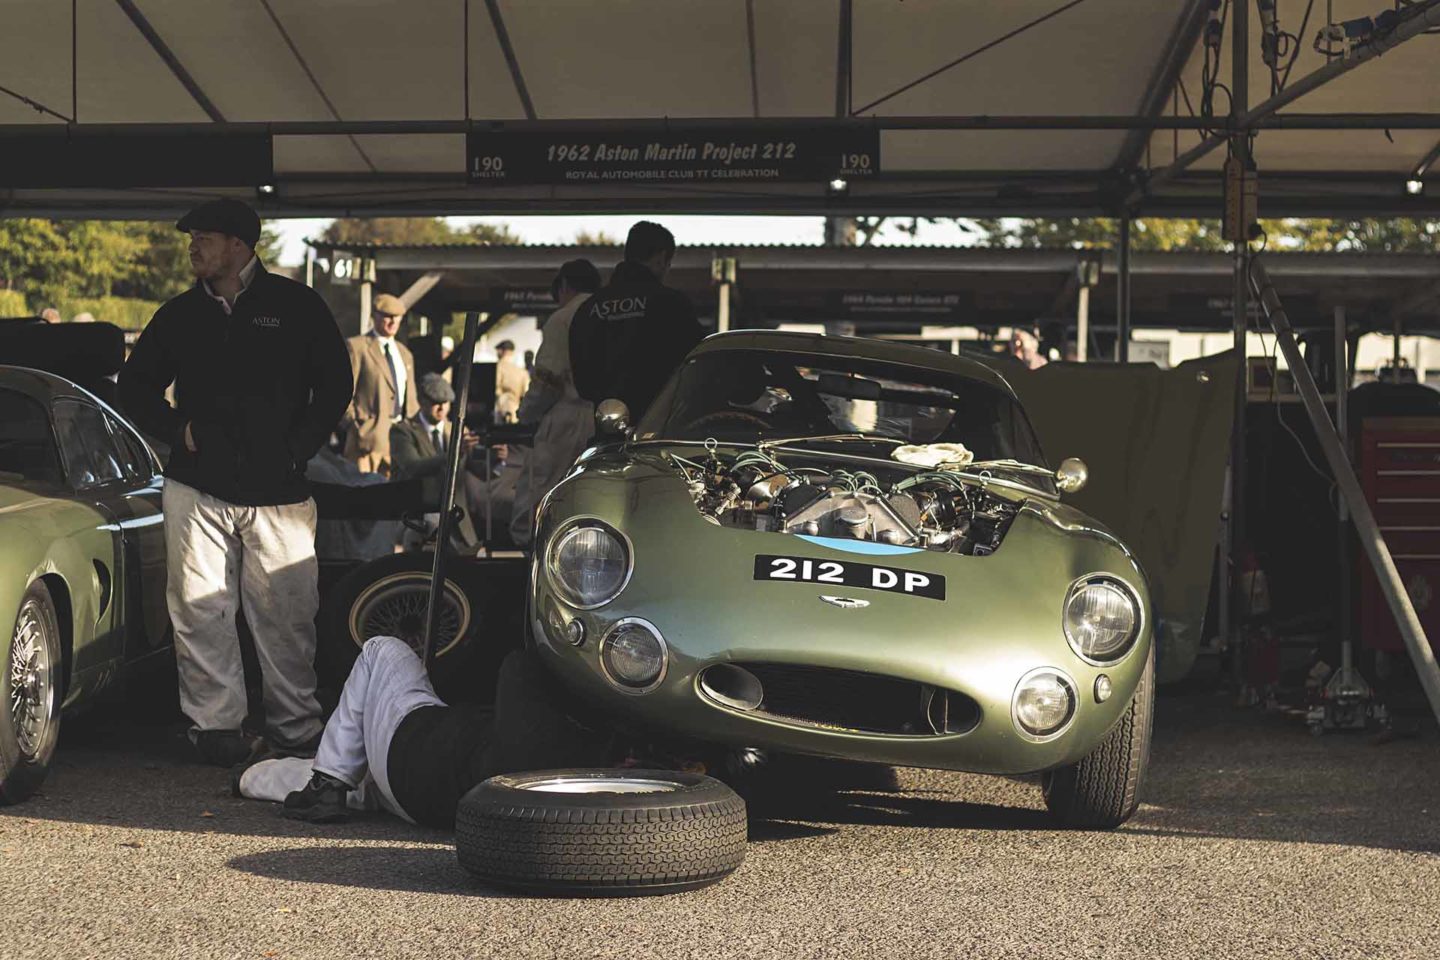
(632,333)
(261,378)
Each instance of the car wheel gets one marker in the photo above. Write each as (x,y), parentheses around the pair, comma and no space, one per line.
(31,683)
(388,597)
(601,832)
(1102,791)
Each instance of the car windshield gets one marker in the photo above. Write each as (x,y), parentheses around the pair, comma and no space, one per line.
(27,446)
(753,395)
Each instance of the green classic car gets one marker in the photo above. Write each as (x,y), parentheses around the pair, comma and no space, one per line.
(82,563)
(848,548)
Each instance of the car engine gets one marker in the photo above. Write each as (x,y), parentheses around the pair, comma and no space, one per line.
(934,510)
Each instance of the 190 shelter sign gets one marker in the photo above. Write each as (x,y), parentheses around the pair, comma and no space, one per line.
(675,155)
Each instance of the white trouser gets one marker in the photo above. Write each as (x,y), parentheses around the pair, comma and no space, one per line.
(220,555)
(386,684)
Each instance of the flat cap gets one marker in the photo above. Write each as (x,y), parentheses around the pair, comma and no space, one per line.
(389,305)
(228,216)
(434,389)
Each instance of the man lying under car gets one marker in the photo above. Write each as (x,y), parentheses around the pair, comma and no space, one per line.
(392,743)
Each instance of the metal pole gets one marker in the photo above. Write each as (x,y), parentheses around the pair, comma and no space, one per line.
(1082,323)
(1423,19)
(1122,293)
(1341,367)
(1365,526)
(464,360)
(310,267)
(1240,88)
(722,309)
(1395,351)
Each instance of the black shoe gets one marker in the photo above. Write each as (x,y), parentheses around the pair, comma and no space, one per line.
(223,748)
(321,801)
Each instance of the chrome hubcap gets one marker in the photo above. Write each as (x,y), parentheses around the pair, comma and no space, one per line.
(600,785)
(32,706)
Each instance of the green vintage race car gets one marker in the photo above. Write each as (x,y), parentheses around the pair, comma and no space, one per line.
(847,548)
(82,563)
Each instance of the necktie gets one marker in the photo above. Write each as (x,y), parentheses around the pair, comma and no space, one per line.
(399,409)
(435,435)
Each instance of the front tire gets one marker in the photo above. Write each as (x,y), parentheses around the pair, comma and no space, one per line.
(1102,791)
(31,685)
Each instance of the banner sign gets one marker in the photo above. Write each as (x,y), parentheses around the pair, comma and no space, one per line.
(907,304)
(523,300)
(64,159)
(677,155)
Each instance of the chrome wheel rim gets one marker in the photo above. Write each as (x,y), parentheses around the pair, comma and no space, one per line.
(32,701)
(600,785)
(394,606)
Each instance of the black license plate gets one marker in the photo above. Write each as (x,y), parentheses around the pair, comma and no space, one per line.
(837,573)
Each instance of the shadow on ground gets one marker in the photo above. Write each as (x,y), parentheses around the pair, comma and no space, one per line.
(1215,772)
(397,869)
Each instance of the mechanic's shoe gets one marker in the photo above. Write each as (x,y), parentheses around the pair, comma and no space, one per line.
(223,748)
(322,800)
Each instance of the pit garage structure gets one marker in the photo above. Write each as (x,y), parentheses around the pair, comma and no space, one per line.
(136,108)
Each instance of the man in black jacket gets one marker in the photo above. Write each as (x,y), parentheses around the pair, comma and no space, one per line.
(261,378)
(633,332)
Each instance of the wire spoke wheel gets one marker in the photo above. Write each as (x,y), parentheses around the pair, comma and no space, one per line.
(32,700)
(394,606)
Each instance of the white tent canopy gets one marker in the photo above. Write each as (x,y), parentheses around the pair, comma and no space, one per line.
(333,63)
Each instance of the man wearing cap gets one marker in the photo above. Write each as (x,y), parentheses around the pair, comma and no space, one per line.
(260,379)
(384,374)
(564,420)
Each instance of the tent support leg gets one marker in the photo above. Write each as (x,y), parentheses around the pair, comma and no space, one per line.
(1349,485)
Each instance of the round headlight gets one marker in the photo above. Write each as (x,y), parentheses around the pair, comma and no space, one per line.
(588,564)
(634,655)
(1044,703)
(1101,620)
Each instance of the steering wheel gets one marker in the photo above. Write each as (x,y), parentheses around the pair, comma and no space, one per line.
(721,416)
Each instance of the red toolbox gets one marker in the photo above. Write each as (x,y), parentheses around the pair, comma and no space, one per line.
(1400,473)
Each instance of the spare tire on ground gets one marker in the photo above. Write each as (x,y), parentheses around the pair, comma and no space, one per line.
(596,833)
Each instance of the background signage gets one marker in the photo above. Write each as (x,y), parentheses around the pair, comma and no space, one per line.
(677,155)
(878,304)
(65,159)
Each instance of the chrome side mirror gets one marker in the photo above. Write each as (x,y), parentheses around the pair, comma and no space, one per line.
(1072,475)
(612,418)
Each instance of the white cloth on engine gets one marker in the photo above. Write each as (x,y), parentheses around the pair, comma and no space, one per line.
(934,454)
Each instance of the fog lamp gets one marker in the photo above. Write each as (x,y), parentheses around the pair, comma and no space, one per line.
(634,656)
(1044,703)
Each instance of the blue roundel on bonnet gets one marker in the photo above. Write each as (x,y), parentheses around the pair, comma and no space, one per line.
(867,547)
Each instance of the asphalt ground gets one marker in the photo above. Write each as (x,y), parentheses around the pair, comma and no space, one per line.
(1255,840)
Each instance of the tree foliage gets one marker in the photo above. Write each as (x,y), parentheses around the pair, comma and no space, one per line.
(413,231)
(49,261)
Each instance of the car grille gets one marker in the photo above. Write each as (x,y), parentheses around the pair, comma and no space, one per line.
(862,702)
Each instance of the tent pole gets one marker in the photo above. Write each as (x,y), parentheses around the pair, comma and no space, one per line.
(1349,485)
(1122,292)
(1240,321)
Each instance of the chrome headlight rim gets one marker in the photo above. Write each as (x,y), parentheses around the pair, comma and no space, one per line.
(1069,684)
(1109,579)
(604,646)
(569,528)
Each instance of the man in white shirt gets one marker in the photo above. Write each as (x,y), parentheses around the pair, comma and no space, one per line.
(384,373)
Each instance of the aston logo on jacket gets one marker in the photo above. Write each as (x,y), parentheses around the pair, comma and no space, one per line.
(266,321)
